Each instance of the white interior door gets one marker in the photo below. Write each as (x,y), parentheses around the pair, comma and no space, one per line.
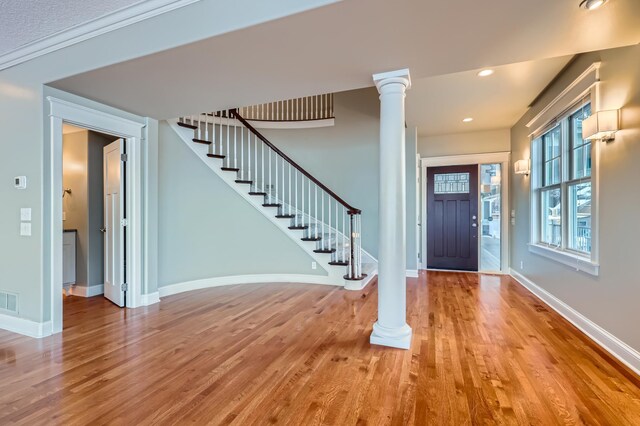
(113,216)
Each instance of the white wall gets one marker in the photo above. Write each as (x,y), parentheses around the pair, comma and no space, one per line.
(610,299)
(465,143)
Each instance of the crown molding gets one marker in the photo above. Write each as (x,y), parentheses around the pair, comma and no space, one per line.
(93,28)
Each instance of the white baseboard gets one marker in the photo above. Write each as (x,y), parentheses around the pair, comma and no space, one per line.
(25,326)
(83,291)
(412,273)
(610,343)
(150,299)
(243,279)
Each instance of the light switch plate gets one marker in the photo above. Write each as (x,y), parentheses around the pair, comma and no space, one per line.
(25,229)
(25,214)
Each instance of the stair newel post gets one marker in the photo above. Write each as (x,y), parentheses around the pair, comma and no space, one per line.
(352,266)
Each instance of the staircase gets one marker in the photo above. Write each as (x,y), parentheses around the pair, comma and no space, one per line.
(319,220)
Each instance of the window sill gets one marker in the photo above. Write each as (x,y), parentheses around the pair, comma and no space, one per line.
(580,263)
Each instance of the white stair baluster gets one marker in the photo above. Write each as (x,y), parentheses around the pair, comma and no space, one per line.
(228,144)
(235,146)
(262,167)
(324,244)
(289,188)
(315,203)
(249,154)
(270,185)
(242,174)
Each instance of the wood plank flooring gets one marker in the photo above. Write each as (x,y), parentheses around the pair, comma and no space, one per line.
(484,351)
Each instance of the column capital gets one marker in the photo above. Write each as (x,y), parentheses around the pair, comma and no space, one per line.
(399,76)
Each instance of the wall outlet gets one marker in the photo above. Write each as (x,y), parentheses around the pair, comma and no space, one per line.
(522,265)
(314,265)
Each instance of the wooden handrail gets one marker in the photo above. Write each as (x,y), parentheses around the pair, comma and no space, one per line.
(350,209)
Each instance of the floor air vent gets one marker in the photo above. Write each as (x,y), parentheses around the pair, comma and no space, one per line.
(8,302)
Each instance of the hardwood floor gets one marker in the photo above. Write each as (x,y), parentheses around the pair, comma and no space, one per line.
(485,351)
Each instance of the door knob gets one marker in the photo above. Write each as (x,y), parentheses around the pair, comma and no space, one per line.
(474,217)
(103,230)
(475,225)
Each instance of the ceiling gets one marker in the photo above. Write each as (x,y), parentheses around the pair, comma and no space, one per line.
(437,105)
(338,47)
(23,22)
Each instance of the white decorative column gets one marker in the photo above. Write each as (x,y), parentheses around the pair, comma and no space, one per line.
(392,329)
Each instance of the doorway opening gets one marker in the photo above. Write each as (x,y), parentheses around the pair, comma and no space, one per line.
(134,169)
(94,183)
(464,213)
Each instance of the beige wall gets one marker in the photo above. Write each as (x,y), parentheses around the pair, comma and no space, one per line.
(83,208)
(465,143)
(610,299)
(74,205)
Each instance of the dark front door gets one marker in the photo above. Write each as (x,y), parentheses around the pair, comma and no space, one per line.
(452,217)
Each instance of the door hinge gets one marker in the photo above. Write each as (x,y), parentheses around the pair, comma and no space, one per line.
(123,158)
(124,286)
(124,222)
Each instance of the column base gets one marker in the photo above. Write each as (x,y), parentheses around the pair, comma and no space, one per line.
(392,337)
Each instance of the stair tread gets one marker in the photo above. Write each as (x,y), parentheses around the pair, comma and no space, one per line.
(230,169)
(360,278)
(271,205)
(311,238)
(244,181)
(188,126)
(301,227)
(196,140)
(257,193)
(338,263)
(216,156)
(324,251)
(285,216)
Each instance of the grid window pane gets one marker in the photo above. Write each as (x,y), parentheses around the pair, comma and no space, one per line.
(551,217)
(580,217)
(552,162)
(581,159)
(580,148)
(451,183)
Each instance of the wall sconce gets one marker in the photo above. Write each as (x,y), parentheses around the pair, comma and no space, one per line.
(522,167)
(601,126)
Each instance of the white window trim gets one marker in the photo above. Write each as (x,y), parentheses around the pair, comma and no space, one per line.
(581,262)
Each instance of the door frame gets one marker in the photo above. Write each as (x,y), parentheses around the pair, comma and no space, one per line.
(132,132)
(504,159)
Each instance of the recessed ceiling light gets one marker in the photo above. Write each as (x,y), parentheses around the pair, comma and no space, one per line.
(592,4)
(485,73)
(468,120)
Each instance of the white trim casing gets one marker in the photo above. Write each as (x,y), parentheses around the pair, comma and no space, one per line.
(24,326)
(563,104)
(133,132)
(579,263)
(176,288)
(150,299)
(112,21)
(616,347)
(84,291)
(504,159)
(412,273)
